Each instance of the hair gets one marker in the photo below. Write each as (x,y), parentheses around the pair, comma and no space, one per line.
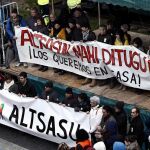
(14,11)
(138,41)
(34,9)
(130,138)
(103,26)
(63,146)
(108,109)
(83,96)
(8,76)
(82,135)
(137,109)
(23,74)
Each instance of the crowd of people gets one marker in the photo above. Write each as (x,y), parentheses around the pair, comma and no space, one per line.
(112,130)
(70,25)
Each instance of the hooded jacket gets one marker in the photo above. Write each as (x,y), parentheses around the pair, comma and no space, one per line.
(119,146)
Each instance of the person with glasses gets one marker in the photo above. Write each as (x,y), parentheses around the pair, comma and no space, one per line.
(136,126)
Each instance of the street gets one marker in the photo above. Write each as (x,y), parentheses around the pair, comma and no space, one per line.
(11,139)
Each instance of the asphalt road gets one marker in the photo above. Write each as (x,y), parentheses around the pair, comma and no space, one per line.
(11,139)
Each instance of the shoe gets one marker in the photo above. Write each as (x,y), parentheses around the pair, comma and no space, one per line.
(93,83)
(44,69)
(86,81)
(25,65)
(102,82)
(57,70)
(18,64)
(41,68)
(62,73)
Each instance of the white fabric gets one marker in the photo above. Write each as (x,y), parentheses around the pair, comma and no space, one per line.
(8,85)
(95,118)
(93,60)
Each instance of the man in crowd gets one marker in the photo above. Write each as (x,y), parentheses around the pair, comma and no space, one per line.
(136,126)
(49,93)
(15,21)
(23,87)
(70,100)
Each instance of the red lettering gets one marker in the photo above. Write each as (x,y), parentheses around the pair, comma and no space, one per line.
(27,39)
(104,52)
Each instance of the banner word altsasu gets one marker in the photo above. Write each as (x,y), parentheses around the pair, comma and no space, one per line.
(94,60)
(49,121)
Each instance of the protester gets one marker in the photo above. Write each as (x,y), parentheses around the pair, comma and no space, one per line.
(9,54)
(136,126)
(2,79)
(95,116)
(49,93)
(83,103)
(15,21)
(138,43)
(23,87)
(58,32)
(44,10)
(131,143)
(8,82)
(32,20)
(70,100)
(40,27)
(108,127)
(52,22)
(121,119)
(82,140)
(147,134)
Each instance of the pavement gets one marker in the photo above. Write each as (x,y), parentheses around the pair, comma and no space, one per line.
(12,139)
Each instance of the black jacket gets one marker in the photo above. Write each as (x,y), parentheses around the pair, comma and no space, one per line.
(121,119)
(28,89)
(52,96)
(105,39)
(137,129)
(70,101)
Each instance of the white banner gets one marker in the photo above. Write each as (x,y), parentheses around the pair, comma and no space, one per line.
(95,60)
(49,121)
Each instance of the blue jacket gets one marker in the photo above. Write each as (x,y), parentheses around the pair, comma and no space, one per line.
(10,29)
(119,146)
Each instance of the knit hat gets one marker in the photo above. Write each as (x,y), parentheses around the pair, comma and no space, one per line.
(69,90)
(99,146)
(119,146)
(49,84)
(82,135)
(95,99)
(120,105)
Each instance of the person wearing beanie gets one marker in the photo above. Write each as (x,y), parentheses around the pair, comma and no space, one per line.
(70,99)
(49,93)
(119,146)
(95,116)
(99,146)
(121,118)
(82,139)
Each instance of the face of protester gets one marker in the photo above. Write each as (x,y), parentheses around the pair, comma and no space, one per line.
(14,17)
(48,89)
(93,103)
(102,31)
(52,18)
(71,25)
(117,110)
(105,113)
(57,26)
(84,29)
(124,28)
(33,13)
(109,26)
(135,45)
(22,80)
(67,95)
(78,26)
(134,113)
(77,14)
(39,22)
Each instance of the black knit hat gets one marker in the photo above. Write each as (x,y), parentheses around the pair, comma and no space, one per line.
(82,135)
(120,105)
(49,84)
(69,90)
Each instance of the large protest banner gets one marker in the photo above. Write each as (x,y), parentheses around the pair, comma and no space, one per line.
(49,121)
(96,60)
